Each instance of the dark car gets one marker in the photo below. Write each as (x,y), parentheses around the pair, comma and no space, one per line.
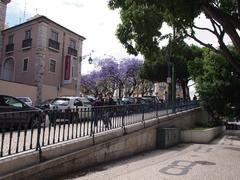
(15,113)
(45,104)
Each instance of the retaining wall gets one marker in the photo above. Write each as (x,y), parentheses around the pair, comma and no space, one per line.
(77,154)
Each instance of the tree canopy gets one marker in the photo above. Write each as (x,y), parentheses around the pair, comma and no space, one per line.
(158,70)
(113,75)
(142,20)
(217,84)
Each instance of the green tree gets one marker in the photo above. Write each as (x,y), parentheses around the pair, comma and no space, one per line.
(218,85)
(142,20)
(158,70)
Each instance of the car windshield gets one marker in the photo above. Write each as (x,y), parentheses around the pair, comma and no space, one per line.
(24,99)
(86,102)
(60,101)
(9,101)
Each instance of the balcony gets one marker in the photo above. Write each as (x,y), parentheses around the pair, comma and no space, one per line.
(72,51)
(53,44)
(26,43)
(9,48)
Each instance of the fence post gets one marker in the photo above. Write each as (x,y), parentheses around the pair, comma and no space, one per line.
(143,116)
(93,114)
(38,147)
(123,124)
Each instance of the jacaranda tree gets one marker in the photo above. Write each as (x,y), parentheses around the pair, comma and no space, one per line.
(121,75)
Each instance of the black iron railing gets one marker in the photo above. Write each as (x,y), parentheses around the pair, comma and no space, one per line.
(9,47)
(23,131)
(53,44)
(27,43)
(72,51)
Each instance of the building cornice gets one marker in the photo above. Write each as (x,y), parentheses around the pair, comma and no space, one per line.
(46,20)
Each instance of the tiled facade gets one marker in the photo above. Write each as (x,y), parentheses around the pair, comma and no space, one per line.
(40,52)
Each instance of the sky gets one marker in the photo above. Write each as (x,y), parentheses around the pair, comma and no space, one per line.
(89,18)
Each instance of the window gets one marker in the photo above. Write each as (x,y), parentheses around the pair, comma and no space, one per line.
(72,44)
(25,64)
(10,39)
(54,36)
(12,102)
(28,34)
(52,66)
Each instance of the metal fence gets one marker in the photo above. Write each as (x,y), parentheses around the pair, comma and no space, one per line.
(23,131)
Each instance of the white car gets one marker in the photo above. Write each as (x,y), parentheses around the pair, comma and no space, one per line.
(70,108)
(26,100)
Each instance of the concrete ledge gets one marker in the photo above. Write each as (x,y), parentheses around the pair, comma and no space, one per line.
(78,153)
(134,127)
(201,136)
(15,162)
(66,147)
(151,122)
(109,150)
(107,135)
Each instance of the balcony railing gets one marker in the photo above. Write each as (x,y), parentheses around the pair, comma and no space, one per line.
(9,47)
(53,44)
(27,43)
(72,51)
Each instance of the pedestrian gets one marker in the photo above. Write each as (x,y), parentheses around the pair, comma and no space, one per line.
(194,98)
(110,100)
(109,110)
(97,109)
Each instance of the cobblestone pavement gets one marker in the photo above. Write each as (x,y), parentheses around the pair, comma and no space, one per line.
(219,160)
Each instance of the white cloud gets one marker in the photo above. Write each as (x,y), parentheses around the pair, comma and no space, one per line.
(89,18)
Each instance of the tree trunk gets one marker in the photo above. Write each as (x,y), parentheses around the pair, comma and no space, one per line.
(225,21)
(184,86)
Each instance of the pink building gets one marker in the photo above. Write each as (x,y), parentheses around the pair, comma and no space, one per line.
(41,53)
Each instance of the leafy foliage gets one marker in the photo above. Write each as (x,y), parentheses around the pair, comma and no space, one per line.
(123,75)
(142,21)
(218,85)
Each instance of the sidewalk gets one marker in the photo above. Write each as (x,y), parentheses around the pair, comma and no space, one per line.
(219,160)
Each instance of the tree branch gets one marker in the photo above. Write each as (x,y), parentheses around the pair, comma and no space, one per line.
(200,28)
(210,46)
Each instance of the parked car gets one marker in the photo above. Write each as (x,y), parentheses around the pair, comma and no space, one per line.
(70,108)
(26,100)
(127,100)
(15,113)
(91,99)
(45,104)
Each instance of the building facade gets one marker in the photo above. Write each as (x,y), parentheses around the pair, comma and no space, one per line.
(42,53)
(161,90)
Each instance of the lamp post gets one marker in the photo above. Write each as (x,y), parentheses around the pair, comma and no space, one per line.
(171,79)
(80,59)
